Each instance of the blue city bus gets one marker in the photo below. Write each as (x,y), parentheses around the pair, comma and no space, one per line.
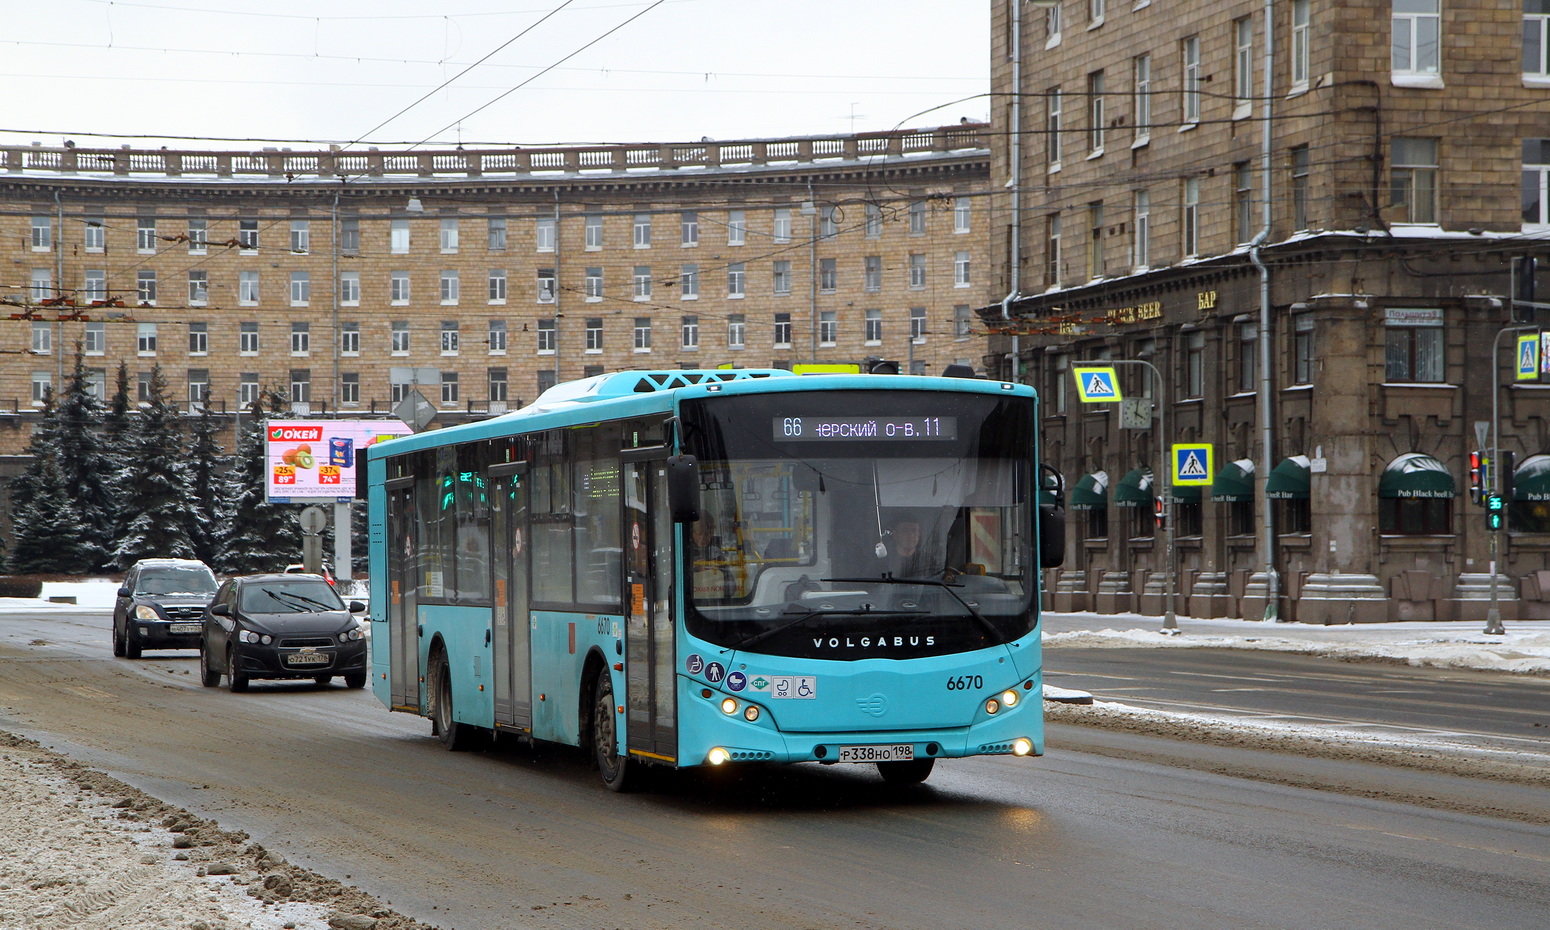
(690,568)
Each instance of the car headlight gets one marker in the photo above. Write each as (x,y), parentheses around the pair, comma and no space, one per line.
(249,636)
(351,635)
(146,612)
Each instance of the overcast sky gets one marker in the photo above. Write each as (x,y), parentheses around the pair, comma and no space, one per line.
(195,73)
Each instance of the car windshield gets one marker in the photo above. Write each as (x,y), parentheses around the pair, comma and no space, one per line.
(191,580)
(311,595)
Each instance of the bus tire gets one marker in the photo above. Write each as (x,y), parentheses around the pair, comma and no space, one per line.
(619,771)
(911,772)
(456,737)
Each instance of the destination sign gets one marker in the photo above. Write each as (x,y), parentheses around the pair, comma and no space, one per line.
(865,428)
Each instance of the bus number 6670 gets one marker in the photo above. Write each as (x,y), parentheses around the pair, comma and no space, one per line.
(966,683)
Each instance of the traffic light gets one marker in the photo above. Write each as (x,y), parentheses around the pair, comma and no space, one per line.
(1494,511)
(1476,476)
(1157,507)
(1504,470)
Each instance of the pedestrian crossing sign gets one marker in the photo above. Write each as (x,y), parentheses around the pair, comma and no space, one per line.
(1192,463)
(1097,385)
(1528,356)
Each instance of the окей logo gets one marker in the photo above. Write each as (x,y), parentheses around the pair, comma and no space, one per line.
(295,433)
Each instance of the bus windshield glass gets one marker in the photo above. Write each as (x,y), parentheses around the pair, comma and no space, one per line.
(860,524)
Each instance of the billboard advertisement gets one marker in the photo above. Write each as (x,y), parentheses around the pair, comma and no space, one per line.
(311,460)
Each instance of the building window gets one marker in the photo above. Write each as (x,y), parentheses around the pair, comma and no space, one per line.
(198,235)
(1243,201)
(642,280)
(142,386)
(872,272)
(398,236)
(495,337)
(1095,10)
(247,388)
(145,235)
(301,288)
(97,383)
(1536,39)
(736,281)
(350,235)
(1302,348)
(594,334)
(301,339)
(247,339)
(1248,357)
(737,227)
(1095,258)
(963,321)
(689,328)
(961,215)
(874,220)
(781,278)
(42,233)
(1052,256)
(782,336)
(1191,103)
(495,233)
(643,230)
(398,390)
(593,225)
(495,286)
(593,290)
(737,330)
(42,338)
(689,229)
(1300,168)
(398,288)
(917,218)
(1141,231)
(495,378)
(198,387)
(961,269)
(642,332)
(1417,47)
(1059,369)
(42,285)
(350,338)
(301,236)
(198,287)
(247,236)
(918,324)
(94,237)
(1413,180)
(1413,346)
(450,342)
(1243,67)
(349,387)
(449,388)
(782,230)
(199,339)
(399,344)
(350,288)
(1052,111)
(828,223)
(874,327)
(1536,182)
(828,275)
(1095,118)
(917,271)
(548,336)
(1195,364)
(1141,70)
(449,235)
(1191,219)
(42,385)
(145,286)
(96,339)
(1300,48)
(828,328)
(1052,25)
(145,339)
(545,229)
(689,282)
(546,285)
(1415,516)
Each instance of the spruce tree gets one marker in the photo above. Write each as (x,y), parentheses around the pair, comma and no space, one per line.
(50,537)
(154,484)
(83,458)
(210,525)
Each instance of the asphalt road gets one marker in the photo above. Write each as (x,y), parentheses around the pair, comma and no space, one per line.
(1136,833)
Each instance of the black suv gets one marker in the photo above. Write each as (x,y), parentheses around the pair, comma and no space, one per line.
(161,605)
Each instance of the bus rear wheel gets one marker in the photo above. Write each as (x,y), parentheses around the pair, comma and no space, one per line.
(911,772)
(619,771)
(457,737)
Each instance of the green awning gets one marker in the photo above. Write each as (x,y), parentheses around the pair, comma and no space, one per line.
(1288,481)
(1234,482)
(1185,493)
(1092,492)
(1531,480)
(1416,474)
(1135,489)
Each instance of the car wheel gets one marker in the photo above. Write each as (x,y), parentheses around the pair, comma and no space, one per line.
(355,679)
(118,642)
(620,772)
(209,677)
(457,737)
(322,680)
(235,680)
(911,772)
(131,642)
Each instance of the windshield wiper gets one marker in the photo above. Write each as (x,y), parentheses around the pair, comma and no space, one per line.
(298,597)
(866,610)
(995,634)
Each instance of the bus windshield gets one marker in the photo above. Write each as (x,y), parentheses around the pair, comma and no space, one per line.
(860,524)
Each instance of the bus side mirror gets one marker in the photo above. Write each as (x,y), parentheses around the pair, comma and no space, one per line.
(683,488)
(1052,536)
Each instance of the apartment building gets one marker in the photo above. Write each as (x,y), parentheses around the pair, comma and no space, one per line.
(1320,223)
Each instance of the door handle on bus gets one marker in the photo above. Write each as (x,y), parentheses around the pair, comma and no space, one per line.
(487,637)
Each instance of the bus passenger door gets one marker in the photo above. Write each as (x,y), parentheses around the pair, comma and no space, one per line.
(403,604)
(511,644)
(650,661)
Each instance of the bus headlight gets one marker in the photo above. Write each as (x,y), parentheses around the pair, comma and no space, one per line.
(992,706)
(1022,746)
(751,713)
(729,706)
(717,756)
(1009,698)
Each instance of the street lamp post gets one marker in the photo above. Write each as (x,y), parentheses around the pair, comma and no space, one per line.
(1493,616)
(1164,475)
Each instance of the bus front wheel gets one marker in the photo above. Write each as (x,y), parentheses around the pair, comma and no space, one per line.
(911,772)
(457,737)
(619,771)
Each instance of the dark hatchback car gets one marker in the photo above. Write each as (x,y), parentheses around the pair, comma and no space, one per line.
(161,605)
(281,626)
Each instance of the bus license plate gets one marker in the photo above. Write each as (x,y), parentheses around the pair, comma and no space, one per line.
(900,753)
(184,628)
(305,658)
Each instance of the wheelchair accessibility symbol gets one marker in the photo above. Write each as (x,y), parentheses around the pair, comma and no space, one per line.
(794,687)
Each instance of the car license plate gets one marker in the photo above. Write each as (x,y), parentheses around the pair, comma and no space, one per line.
(899,753)
(307,658)
(183,628)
